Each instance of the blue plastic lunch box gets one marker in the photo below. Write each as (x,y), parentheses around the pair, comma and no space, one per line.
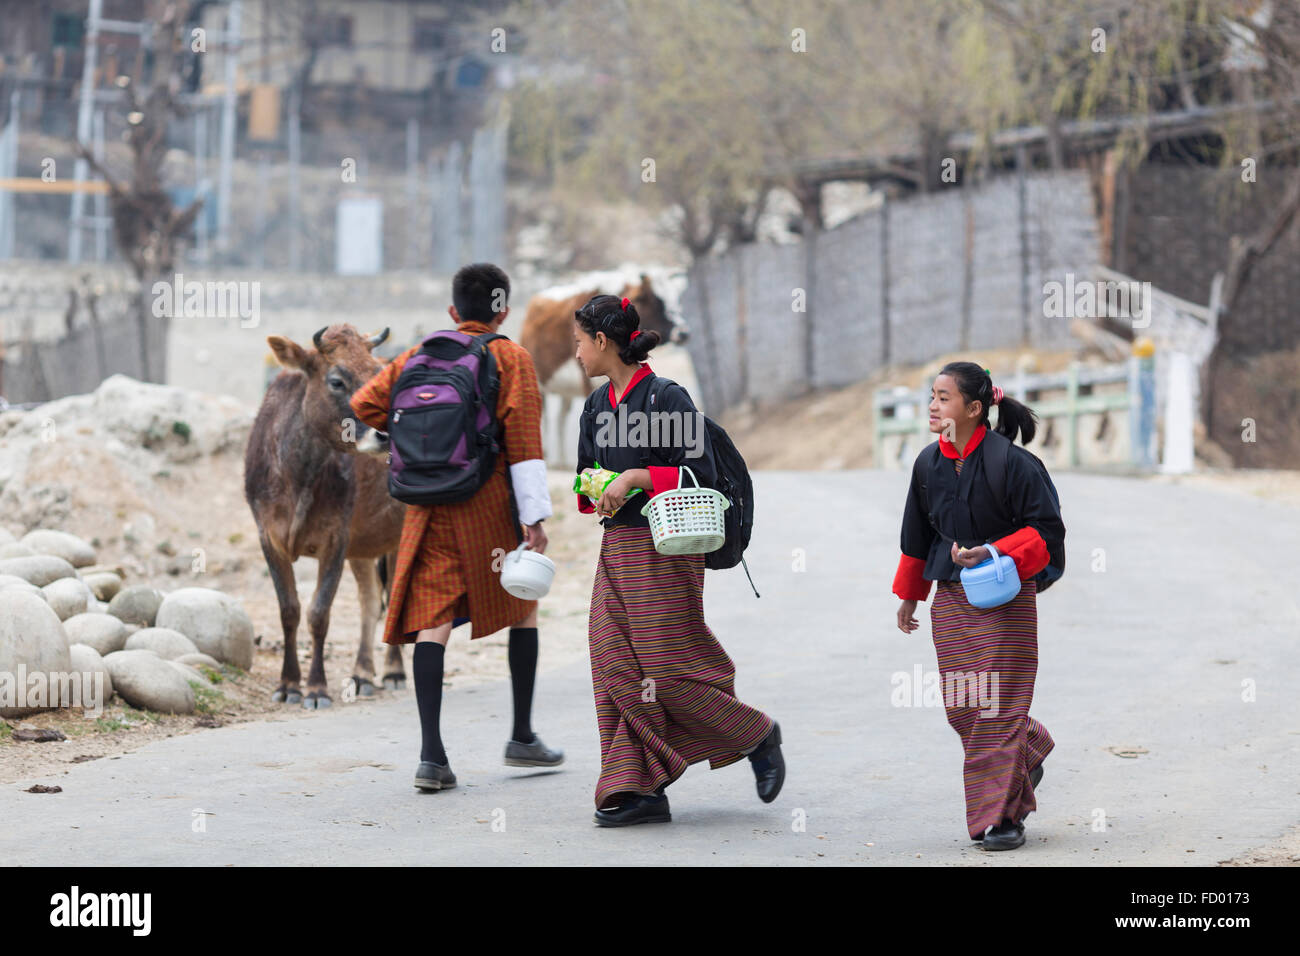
(992,582)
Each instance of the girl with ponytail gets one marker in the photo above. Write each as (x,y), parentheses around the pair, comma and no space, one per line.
(952,516)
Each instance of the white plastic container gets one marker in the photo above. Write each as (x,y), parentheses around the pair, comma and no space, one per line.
(526,574)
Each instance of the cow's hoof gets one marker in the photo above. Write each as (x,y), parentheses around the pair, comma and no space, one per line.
(285,695)
(316,701)
(394,682)
(364,688)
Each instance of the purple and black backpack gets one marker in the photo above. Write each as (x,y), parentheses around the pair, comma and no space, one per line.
(442,428)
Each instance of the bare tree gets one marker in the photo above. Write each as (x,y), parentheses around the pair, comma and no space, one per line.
(147,227)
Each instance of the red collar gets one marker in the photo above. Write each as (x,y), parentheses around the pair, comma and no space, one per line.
(639,374)
(950,450)
(471,325)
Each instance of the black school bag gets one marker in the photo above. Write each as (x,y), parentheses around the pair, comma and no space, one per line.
(734,482)
(995,470)
(997,448)
(442,427)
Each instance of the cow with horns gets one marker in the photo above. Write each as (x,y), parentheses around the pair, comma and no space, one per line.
(312,495)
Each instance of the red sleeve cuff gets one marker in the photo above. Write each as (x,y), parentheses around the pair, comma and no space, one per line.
(585,505)
(908,582)
(1027,549)
(663,477)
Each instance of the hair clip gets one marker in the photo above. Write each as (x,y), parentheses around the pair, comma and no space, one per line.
(625,302)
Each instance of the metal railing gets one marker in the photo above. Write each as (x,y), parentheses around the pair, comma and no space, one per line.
(1064,396)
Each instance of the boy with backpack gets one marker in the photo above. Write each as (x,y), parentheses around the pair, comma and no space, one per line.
(462,410)
(664,686)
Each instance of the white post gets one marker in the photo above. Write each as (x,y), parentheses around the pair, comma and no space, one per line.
(295,157)
(101,199)
(85,109)
(228,127)
(8,169)
(412,189)
(200,178)
(1180,416)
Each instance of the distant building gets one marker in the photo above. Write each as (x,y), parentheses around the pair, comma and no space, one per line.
(367,64)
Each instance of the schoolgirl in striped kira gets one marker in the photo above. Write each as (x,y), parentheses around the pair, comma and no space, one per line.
(664,686)
(952,511)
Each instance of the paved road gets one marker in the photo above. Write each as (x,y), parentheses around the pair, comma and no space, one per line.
(1150,653)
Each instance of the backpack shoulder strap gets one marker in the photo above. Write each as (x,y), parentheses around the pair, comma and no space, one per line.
(996,452)
(658,384)
(996,449)
(926,460)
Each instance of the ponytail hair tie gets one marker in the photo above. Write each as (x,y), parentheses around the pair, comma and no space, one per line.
(634,334)
(997,395)
(624,303)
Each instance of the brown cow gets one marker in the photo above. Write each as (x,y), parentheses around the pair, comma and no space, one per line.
(312,495)
(547,334)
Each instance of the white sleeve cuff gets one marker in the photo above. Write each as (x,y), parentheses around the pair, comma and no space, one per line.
(532,497)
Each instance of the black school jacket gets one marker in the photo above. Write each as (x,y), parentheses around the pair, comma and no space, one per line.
(600,439)
(963,509)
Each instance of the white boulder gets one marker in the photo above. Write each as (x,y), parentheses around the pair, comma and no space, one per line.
(163,641)
(31,642)
(68,596)
(217,624)
(146,681)
(38,569)
(104,632)
(69,547)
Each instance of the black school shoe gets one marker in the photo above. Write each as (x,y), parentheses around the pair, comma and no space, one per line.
(1005,836)
(636,808)
(434,776)
(535,754)
(769,765)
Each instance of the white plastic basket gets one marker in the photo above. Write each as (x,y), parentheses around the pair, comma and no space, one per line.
(687,520)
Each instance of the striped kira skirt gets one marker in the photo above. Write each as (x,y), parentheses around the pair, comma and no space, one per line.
(988,658)
(664,686)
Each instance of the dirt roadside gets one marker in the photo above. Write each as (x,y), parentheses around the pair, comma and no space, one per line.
(237,568)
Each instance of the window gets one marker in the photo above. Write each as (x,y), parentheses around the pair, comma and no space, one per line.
(470,73)
(67,29)
(335,30)
(429,34)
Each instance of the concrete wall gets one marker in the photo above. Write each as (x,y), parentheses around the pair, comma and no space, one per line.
(963,268)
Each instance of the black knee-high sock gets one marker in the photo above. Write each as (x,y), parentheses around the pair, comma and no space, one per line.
(523,672)
(426,669)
